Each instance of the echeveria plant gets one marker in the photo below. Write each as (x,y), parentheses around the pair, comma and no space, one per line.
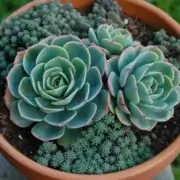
(144,87)
(112,40)
(56,86)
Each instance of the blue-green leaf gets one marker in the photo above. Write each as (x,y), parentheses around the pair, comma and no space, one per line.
(61,118)
(113,84)
(102,33)
(112,103)
(176,80)
(80,98)
(121,102)
(46,106)
(110,29)
(157,113)
(92,36)
(173,99)
(155,50)
(27,92)
(29,61)
(76,49)
(57,92)
(146,58)
(16,118)
(157,76)
(80,74)
(144,94)
(84,116)
(14,78)
(50,53)
(140,72)
(102,106)
(131,86)
(126,57)
(136,111)
(112,46)
(66,100)
(163,67)
(47,79)
(148,81)
(30,113)
(124,38)
(71,84)
(124,74)
(167,87)
(37,75)
(60,62)
(157,94)
(143,124)
(97,58)
(94,79)
(44,94)
(123,118)
(62,40)
(46,132)
(48,40)
(112,66)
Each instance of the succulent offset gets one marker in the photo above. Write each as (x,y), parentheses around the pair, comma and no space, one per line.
(56,86)
(112,40)
(143,86)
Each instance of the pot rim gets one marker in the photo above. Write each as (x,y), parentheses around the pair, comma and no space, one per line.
(5,146)
(170,151)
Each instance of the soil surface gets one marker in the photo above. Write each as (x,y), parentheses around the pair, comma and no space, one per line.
(162,135)
(20,138)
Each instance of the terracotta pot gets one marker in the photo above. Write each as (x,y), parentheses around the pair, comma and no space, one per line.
(157,19)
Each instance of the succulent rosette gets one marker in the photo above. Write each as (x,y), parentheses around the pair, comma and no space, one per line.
(143,86)
(112,40)
(56,86)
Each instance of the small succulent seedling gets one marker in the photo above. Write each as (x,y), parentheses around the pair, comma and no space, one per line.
(143,86)
(112,40)
(56,86)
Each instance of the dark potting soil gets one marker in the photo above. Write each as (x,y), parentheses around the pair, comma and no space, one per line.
(20,138)
(163,134)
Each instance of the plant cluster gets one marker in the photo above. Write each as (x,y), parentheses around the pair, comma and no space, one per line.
(106,146)
(112,40)
(25,30)
(53,83)
(105,12)
(169,45)
(60,77)
(153,81)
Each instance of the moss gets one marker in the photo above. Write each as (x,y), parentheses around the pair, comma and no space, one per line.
(105,147)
